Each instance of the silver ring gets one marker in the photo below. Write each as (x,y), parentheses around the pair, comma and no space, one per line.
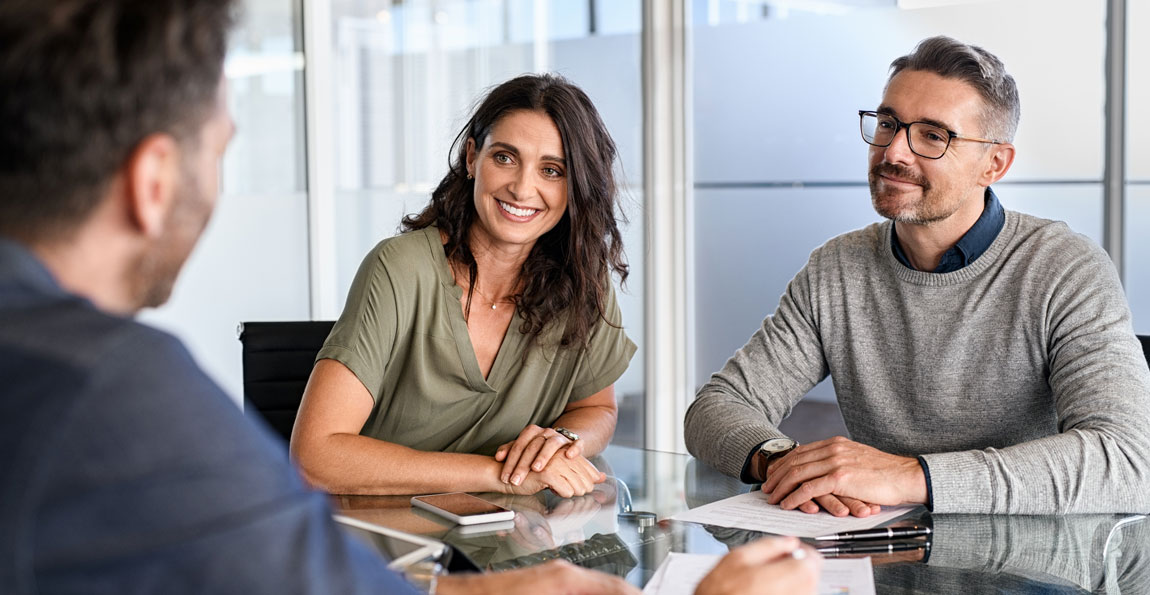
(568,434)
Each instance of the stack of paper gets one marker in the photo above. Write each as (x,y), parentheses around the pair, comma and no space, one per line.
(751,511)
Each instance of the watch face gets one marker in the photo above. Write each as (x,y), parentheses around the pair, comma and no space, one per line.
(778,445)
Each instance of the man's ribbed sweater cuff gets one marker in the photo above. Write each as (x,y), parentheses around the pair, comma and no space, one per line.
(960,482)
(738,443)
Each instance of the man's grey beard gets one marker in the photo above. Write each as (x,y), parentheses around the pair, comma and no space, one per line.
(903,173)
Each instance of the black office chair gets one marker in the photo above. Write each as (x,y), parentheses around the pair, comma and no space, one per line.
(278,358)
(1145,340)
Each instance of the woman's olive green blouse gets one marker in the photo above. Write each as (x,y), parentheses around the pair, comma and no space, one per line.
(402,333)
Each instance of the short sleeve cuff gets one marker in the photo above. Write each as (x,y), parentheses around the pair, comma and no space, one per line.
(609,376)
(354,362)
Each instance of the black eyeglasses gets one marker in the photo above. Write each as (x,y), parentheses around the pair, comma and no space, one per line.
(924,139)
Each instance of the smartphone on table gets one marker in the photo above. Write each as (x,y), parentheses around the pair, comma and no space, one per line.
(462,508)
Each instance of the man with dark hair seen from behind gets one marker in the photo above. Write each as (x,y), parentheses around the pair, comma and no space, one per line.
(984,360)
(123,468)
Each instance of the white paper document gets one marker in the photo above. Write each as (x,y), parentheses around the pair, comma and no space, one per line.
(846,576)
(751,511)
(680,574)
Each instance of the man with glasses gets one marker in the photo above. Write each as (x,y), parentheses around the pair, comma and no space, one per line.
(983,359)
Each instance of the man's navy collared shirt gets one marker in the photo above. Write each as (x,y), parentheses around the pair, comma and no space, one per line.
(972,244)
(125,469)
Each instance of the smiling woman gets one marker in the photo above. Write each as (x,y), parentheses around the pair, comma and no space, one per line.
(520,190)
(478,350)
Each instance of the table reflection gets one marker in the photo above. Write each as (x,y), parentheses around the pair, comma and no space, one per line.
(614,529)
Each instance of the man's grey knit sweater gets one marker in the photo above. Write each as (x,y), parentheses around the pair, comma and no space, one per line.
(1018,377)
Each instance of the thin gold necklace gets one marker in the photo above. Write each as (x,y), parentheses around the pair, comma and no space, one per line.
(493,303)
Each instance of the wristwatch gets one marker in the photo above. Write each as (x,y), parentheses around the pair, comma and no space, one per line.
(568,434)
(771,449)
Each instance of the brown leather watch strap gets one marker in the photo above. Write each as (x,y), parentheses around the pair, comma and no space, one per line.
(759,464)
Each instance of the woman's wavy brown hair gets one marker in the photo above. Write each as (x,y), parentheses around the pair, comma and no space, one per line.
(567,271)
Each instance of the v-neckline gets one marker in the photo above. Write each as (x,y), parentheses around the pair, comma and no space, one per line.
(452,295)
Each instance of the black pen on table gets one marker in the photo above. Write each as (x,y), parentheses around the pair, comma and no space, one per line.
(873,548)
(883,533)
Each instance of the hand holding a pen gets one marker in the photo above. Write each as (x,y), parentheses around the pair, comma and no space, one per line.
(845,470)
(773,565)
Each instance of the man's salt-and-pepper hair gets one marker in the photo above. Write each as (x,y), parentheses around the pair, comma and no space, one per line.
(977,67)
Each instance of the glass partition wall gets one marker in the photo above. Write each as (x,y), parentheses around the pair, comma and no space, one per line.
(778,86)
(1137,234)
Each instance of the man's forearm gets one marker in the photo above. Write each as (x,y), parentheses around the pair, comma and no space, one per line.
(1070,473)
(722,431)
(742,404)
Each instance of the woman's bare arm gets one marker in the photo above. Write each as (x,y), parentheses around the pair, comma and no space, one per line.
(333,456)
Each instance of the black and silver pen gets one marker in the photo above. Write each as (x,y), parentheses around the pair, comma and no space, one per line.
(873,548)
(884,533)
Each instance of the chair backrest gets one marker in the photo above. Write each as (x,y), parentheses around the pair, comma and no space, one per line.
(278,358)
(1145,340)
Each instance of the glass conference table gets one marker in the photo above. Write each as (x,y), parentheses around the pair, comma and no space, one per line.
(622,528)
